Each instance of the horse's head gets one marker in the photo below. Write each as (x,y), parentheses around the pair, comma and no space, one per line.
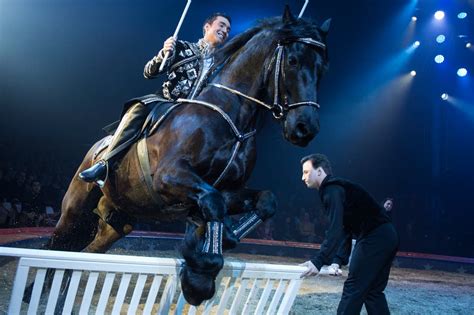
(281,61)
(292,76)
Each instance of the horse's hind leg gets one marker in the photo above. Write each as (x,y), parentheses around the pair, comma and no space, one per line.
(105,236)
(108,232)
(77,224)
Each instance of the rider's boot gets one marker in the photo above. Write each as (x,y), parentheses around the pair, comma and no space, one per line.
(127,132)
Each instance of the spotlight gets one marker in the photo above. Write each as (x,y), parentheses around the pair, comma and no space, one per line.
(416,44)
(440,38)
(413,18)
(439,59)
(412,73)
(444,96)
(462,15)
(439,15)
(468,45)
(462,72)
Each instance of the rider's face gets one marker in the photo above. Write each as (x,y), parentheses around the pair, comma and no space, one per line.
(217,32)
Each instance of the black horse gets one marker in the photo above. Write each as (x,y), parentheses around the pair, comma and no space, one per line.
(203,152)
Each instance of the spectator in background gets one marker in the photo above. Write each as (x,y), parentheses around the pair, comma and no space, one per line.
(388,205)
(17,188)
(289,231)
(306,229)
(34,206)
(5,209)
(3,186)
(265,230)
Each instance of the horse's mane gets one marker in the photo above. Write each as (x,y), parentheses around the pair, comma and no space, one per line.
(281,31)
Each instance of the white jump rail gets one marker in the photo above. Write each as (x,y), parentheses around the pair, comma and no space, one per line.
(119,284)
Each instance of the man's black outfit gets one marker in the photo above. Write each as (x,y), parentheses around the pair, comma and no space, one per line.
(353,211)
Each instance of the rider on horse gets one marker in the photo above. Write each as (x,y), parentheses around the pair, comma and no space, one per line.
(187,69)
(274,67)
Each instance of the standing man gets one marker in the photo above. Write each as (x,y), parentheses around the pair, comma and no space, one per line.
(352,211)
(187,68)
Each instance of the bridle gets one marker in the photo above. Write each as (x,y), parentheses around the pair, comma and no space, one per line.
(279,110)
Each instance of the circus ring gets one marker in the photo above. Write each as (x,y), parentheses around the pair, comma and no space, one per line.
(419,283)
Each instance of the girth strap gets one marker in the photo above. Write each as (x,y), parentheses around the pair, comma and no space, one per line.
(145,174)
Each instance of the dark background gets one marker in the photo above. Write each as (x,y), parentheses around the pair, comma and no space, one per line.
(66,68)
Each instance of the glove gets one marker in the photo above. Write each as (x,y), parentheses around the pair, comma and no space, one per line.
(334,270)
(311,271)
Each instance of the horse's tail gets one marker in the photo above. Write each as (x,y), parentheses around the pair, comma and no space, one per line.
(199,270)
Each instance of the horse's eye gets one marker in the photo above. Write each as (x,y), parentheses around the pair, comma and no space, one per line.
(292,61)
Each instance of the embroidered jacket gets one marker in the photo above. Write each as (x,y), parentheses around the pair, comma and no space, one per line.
(187,69)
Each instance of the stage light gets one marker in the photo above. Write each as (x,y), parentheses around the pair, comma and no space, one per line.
(439,59)
(444,96)
(413,18)
(462,15)
(462,72)
(416,44)
(468,45)
(439,15)
(412,73)
(440,38)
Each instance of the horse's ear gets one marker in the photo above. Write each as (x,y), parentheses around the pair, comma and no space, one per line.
(287,16)
(325,27)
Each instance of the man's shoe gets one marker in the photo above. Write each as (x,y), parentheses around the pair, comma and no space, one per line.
(96,172)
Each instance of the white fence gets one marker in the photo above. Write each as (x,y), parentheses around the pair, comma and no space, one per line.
(117,284)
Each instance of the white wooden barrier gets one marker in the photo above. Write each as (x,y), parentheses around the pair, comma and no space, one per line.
(118,284)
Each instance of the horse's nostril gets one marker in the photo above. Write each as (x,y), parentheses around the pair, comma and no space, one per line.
(301,130)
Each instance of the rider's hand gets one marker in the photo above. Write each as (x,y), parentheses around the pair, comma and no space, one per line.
(311,271)
(169,45)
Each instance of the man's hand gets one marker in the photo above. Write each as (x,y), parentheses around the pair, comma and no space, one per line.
(169,45)
(311,271)
(334,270)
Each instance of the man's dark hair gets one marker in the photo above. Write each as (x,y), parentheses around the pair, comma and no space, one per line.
(211,18)
(318,160)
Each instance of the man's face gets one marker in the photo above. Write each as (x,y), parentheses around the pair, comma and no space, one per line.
(311,177)
(217,32)
(36,187)
(388,205)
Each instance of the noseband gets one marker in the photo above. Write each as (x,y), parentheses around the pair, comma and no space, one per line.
(279,110)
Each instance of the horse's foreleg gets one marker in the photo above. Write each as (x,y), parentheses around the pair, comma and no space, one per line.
(203,260)
(182,183)
(257,205)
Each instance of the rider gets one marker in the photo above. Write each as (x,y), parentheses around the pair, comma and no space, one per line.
(187,68)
